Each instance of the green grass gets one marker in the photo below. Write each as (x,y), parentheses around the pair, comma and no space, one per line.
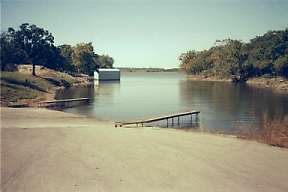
(60,79)
(13,93)
(17,85)
(26,80)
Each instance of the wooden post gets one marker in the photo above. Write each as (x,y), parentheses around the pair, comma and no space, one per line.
(172,121)
(178,121)
(167,122)
(197,117)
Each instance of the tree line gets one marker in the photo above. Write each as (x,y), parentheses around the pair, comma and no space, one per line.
(35,45)
(265,55)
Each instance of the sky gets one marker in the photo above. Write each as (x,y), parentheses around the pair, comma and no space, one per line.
(147,33)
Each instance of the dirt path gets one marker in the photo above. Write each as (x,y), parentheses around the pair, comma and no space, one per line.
(45,150)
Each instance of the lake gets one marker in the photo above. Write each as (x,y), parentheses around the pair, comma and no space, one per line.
(224,107)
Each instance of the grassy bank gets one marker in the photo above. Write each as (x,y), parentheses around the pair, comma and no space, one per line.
(21,86)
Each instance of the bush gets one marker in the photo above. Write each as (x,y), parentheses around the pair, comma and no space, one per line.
(271,131)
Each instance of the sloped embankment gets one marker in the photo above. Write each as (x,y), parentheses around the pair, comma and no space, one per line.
(21,86)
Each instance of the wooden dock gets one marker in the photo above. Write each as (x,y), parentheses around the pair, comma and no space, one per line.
(63,103)
(18,105)
(160,118)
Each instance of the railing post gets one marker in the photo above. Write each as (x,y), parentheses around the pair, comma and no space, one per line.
(197,117)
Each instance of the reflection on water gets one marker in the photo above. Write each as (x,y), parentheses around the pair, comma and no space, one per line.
(230,106)
(224,106)
(184,122)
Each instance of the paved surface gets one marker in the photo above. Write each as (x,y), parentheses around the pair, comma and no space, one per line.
(45,150)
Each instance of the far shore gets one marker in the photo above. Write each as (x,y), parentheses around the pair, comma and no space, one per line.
(46,150)
(207,78)
(278,83)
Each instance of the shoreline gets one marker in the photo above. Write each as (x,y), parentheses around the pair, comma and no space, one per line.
(47,150)
(207,78)
(49,95)
(278,84)
(28,90)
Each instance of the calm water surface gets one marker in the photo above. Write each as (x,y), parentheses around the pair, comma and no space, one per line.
(224,107)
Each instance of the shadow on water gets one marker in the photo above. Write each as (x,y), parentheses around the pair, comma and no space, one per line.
(184,123)
(76,92)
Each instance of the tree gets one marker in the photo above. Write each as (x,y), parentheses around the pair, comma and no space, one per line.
(105,61)
(84,58)
(35,41)
(281,65)
(66,52)
(185,58)
(35,45)
(266,54)
(10,53)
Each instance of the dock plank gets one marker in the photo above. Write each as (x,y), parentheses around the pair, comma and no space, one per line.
(150,120)
(63,102)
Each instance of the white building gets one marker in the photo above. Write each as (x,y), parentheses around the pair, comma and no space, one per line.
(107,74)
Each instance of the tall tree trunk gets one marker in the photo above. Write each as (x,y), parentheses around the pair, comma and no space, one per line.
(33,70)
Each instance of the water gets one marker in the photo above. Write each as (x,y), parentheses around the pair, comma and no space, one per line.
(224,107)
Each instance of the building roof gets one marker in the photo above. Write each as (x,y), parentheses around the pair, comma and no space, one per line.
(110,69)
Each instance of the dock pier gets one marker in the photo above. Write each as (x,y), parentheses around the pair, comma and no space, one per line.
(160,118)
(63,103)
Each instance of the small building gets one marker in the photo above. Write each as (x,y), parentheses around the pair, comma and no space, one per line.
(107,74)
